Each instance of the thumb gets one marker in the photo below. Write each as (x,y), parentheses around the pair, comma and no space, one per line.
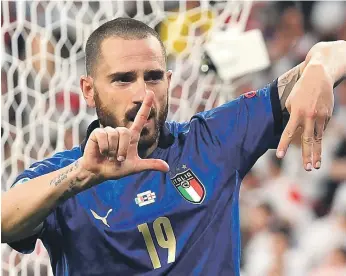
(152,164)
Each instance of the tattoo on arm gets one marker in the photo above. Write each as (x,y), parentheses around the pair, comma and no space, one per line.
(286,83)
(57,180)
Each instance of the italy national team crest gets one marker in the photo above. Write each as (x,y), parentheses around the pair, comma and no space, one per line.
(189,186)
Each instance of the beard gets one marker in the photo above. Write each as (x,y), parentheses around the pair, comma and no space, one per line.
(148,137)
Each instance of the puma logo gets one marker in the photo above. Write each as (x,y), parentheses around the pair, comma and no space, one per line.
(103,219)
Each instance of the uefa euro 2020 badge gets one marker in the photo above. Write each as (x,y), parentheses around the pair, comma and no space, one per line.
(145,198)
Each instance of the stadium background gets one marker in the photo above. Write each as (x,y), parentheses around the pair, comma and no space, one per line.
(293,222)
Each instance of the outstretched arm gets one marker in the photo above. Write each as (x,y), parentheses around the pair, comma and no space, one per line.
(306,91)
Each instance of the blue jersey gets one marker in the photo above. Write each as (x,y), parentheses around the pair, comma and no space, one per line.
(185,222)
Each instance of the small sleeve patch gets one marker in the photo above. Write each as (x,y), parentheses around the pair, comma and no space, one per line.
(21,181)
(250,94)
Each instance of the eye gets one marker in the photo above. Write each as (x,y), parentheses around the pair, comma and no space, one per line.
(125,79)
(154,77)
(154,80)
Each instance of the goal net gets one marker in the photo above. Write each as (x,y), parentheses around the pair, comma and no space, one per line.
(42,59)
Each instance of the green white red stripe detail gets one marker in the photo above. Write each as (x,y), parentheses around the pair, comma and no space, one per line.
(193,193)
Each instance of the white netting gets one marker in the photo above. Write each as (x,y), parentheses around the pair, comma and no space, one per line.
(42,59)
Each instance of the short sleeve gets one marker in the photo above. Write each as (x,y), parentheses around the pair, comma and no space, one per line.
(246,127)
(261,122)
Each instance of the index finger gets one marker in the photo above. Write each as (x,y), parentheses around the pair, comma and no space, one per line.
(142,115)
(287,136)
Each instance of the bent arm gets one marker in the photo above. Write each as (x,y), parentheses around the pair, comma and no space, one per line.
(25,206)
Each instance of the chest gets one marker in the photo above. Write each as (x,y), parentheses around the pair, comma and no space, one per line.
(149,217)
(142,198)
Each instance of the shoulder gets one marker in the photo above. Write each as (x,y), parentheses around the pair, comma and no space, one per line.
(53,163)
(67,155)
(59,159)
(176,128)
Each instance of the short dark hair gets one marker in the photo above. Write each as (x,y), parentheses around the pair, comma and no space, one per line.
(126,28)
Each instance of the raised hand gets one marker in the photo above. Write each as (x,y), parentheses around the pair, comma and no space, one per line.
(112,153)
(310,105)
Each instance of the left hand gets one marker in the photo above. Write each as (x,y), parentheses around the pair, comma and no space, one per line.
(310,105)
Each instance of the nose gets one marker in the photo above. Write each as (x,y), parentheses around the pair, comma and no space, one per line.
(139,92)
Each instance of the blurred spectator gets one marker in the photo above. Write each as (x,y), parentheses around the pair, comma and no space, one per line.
(257,250)
(339,202)
(333,265)
(286,196)
(281,262)
(328,29)
(284,193)
(322,237)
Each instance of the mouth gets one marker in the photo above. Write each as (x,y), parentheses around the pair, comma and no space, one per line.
(132,117)
(146,124)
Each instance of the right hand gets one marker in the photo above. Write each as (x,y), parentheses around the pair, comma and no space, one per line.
(112,153)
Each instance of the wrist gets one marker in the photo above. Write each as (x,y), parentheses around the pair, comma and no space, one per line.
(71,180)
(86,177)
(331,56)
(319,72)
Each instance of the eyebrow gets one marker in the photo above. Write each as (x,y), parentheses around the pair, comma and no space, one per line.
(132,74)
(154,73)
(121,75)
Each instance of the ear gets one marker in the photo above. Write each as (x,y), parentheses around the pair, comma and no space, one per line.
(169,77)
(87,87)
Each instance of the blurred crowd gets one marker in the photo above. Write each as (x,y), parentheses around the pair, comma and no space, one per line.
(292,222)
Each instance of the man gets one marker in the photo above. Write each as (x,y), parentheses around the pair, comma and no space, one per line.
(146,196)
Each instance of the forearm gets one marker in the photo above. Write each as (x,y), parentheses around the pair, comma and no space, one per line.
(25,206)
(325,59)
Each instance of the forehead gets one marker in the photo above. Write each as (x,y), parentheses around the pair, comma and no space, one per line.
(120,54)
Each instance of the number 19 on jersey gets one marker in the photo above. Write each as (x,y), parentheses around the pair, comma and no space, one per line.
(165,238)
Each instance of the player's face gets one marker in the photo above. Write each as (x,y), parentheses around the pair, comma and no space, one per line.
(124,72)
